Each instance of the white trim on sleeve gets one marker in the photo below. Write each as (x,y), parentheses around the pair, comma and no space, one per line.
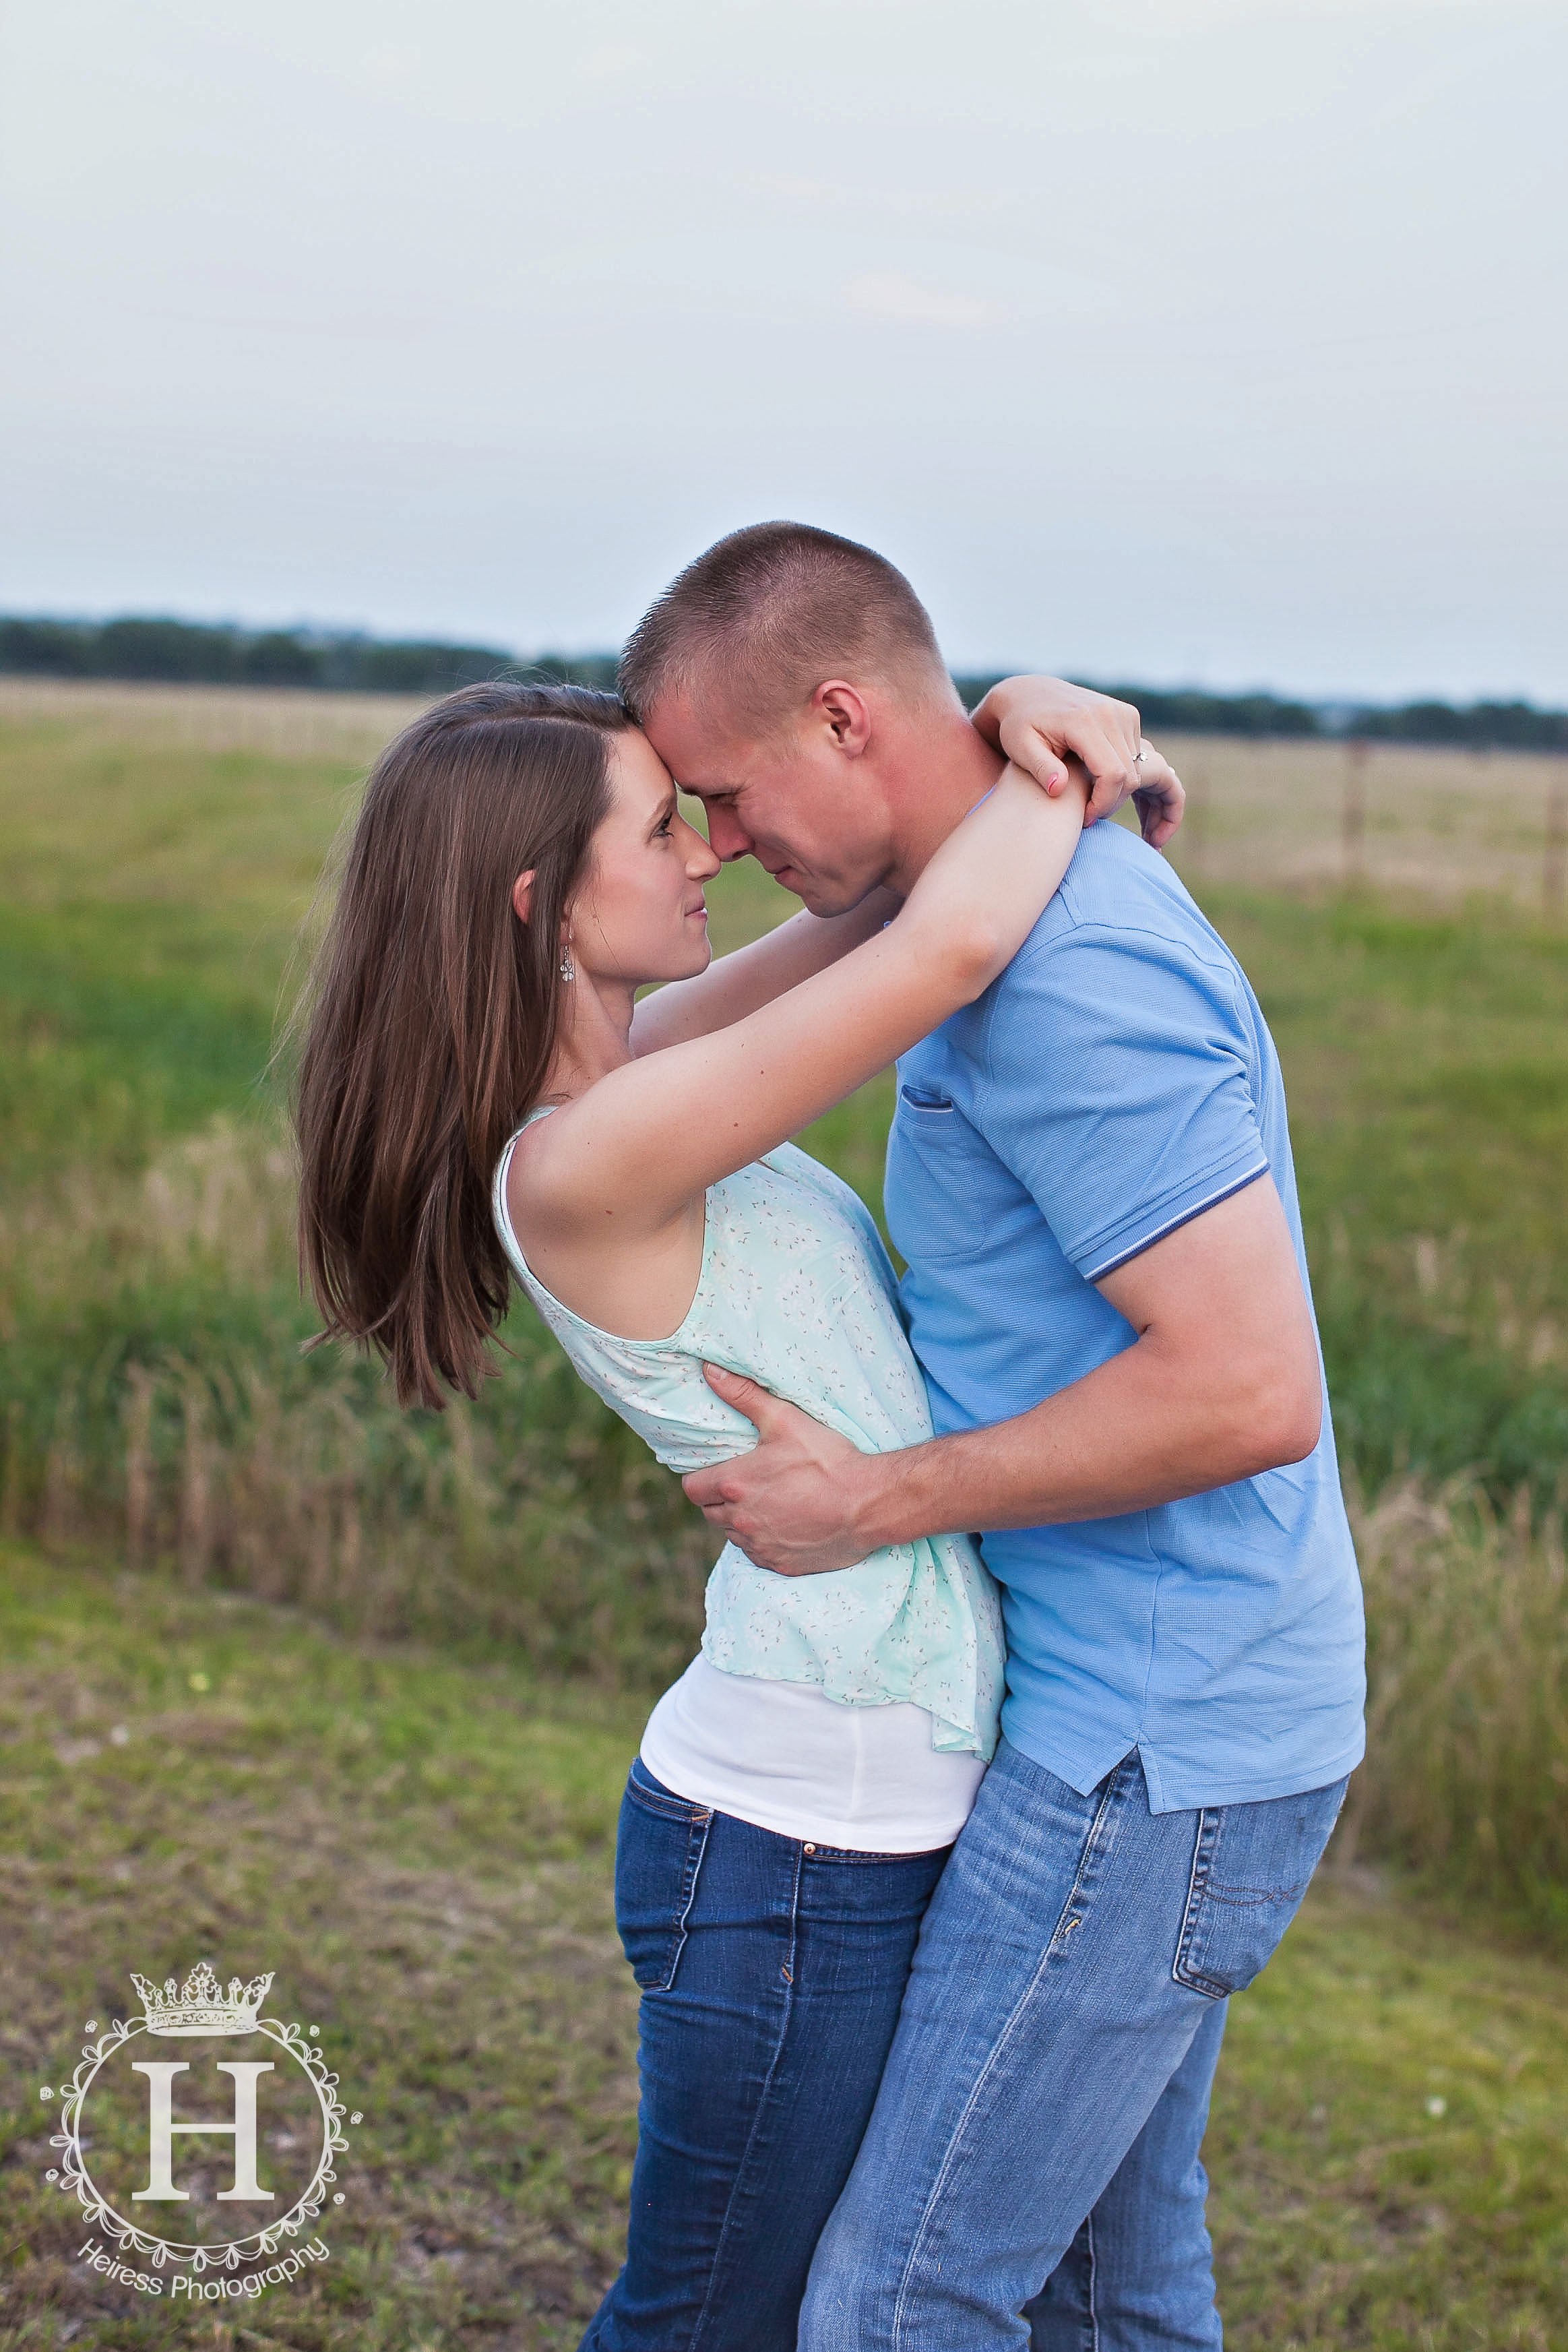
(1183,1217)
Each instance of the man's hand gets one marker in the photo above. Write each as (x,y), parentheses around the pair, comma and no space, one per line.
(1039,721)
(801,1477)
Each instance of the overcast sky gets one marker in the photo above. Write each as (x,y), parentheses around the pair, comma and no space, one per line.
(1195,339)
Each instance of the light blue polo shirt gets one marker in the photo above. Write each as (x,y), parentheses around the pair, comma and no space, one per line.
(1117,1080)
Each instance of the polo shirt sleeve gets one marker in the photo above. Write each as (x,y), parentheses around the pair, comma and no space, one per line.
(1118,1088)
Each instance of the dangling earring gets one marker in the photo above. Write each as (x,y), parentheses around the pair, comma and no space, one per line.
(568,968)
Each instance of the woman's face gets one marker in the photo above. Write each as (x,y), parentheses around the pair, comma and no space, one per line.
(640,914)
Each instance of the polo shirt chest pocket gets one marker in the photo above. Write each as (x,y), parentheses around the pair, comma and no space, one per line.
(947,1191)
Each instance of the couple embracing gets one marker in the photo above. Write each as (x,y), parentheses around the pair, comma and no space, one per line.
(939,1864)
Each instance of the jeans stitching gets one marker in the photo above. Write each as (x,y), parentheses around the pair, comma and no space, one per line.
(666,1809)
(1203,1846)
(1200,1891)
(761,2108)
(1113,1791)
(1248,1898)
(696,1848)
(700,1828)
(856,1854)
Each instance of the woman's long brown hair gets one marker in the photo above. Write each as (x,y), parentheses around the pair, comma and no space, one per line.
(432,1013)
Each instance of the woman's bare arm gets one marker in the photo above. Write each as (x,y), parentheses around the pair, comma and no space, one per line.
(631,1155)
(1039,724)
(742,983)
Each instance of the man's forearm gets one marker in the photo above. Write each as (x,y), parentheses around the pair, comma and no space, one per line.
(1139,1431)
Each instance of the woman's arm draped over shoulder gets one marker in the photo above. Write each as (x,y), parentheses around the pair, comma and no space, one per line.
(633,1153)
(1037,723)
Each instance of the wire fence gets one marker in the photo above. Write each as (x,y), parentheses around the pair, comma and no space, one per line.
(1401,818)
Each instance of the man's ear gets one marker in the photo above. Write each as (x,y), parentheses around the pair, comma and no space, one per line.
(842,708)
(523,895)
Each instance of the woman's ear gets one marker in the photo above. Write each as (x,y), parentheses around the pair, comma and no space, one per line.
(523,895)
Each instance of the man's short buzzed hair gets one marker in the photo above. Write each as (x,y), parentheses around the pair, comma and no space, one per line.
(761,620)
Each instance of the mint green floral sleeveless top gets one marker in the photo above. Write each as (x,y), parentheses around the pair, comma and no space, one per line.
(797,1292)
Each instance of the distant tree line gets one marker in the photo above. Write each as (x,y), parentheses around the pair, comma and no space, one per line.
(184,653)
(188,653)
(1483,726)
(1479,726)
(1189,713)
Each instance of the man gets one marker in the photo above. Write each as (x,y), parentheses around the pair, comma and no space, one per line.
(1090,1178)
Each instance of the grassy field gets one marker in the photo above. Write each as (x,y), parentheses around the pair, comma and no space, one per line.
(420,1848)
(426,1642)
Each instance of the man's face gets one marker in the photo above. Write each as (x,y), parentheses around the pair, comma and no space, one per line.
(815,817)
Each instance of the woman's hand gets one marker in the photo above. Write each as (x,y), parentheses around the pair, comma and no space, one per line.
(1042,723)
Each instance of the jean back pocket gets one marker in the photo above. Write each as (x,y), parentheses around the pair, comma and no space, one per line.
(659,1846)
(1250,1867)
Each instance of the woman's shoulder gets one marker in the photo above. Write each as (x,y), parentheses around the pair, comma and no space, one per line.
(622,1280)
(537,1184)
(546,1161)
(590,1156)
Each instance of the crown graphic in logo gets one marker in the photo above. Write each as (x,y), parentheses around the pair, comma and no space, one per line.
(200,2005)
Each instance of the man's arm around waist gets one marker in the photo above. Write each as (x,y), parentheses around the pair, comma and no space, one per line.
(1222,1383)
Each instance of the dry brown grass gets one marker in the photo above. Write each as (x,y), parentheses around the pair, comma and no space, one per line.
(286,723)
(1436,825)
(1443,825)
(1467,1769)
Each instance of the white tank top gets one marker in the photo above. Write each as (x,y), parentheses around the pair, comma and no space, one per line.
(853,1709)
(781,1755)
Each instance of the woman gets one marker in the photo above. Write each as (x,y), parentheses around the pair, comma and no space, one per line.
(483,1097)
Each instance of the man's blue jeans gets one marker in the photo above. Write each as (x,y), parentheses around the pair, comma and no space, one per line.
(771,1974)
(1031,2172)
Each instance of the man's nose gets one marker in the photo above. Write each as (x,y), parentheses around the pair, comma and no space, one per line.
(727,838)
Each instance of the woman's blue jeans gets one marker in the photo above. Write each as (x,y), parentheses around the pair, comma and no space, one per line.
(771,1974)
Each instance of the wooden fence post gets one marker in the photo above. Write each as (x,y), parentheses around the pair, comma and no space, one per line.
(1353,820)
(1195,817)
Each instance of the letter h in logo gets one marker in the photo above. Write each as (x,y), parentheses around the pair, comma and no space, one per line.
(161,2073)
(201,2006)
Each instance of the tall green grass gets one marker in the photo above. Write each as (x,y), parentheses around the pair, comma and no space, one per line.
(153,1395)
(1466,1781)
(157,1397)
